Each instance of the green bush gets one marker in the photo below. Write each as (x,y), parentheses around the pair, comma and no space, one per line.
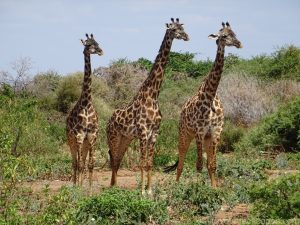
(231,134)
(117,206)
(278,199)
(283,63)
(278,130)
(186,63)
(194,198)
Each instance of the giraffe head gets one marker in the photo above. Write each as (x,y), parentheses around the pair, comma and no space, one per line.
(91,46)
(226,36)
(176,30)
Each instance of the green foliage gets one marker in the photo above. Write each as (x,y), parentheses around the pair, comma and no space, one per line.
(117,206)
(278,199)
(281,128)
(60,208)
(144,63)
(68,92)
(7,90)
(181,63)
(231,134)
(194,198)
(166,142)
(185,63)
(283,63)
(286,62)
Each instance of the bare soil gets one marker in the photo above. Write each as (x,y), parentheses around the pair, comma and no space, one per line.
(127,179)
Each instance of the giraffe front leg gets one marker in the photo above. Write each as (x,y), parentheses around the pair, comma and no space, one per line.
(92,140)
(74,166)
(150,162)
(79,149)
(211,150)
(143,163)
(74,150)
(199,163)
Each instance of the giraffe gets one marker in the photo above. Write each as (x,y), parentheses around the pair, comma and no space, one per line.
(82,122)
(202,115)
(141,118)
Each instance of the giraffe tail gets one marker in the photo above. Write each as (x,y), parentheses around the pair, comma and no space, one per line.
(168,169)
(110,158)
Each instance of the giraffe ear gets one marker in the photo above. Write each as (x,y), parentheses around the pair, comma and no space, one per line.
(82,41)
(213,36)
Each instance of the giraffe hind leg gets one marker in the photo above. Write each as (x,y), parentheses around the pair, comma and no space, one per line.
(184,143)
(118,147)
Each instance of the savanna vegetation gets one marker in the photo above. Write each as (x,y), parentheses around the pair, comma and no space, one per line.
(258,159)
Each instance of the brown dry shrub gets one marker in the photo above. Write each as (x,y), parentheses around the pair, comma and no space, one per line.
(124,80)
(244,98)
(283,90)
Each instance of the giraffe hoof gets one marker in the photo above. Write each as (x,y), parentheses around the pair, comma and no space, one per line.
(150,193)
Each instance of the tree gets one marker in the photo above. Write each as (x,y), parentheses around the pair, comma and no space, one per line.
(18,80)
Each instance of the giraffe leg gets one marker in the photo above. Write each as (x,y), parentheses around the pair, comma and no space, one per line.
(80,163)
(143,163)
(73,148)
(117,155)
(150,163)
(113,142)
(92,140)
(211,148)
(199,164)
(84,151)
(184,143)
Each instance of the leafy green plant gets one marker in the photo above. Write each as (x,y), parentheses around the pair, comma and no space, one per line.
(280,129)
(278,199)
(231,134)
(194,198)
(117,206)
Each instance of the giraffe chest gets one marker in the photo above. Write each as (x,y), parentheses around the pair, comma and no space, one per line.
(137,118)
(83,120)
(198,114)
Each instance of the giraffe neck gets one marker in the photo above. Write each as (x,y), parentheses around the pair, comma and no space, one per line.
(212,81)
(87,80)
(153,82)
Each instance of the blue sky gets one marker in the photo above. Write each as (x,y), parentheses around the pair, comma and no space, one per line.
(49,32)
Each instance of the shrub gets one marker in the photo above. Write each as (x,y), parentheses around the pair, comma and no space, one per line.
(70,88)
(68,92)
(286,62)
(186,63)
(283,90)
(231,134)
(278,199)
(194,197)
(124,80)
(117,206)
(45,84)
(278,130)
(244,98)
(282,63)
